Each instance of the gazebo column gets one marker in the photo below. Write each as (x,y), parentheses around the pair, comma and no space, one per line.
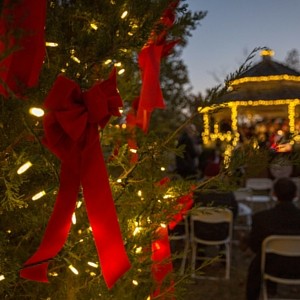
(291,116)
(234,123)
(206,131)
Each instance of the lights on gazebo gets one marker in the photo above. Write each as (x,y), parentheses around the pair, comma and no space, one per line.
(284,77)
(234,110)
(232,137)
(267,52)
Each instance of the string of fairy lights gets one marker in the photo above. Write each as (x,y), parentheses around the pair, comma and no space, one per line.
(94,26)
(232,137)
(39,113)
(136,228)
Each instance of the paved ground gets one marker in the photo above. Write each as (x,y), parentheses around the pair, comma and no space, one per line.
(222,289)
(234,288)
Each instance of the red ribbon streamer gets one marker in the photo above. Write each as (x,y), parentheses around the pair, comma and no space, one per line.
(149,59)
(161,252)
(151,95)
(71,132)
(21,68)
(161,257)
(185,203)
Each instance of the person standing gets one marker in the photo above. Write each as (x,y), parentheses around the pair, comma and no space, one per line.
(187,163)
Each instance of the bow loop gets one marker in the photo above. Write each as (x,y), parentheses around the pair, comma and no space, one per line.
(65,103)
(103,100)
(70,111)
(66,120)
(63,95)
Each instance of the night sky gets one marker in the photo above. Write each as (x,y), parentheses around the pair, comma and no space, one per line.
(232,29)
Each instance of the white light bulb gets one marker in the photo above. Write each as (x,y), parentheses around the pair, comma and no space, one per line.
(24,167)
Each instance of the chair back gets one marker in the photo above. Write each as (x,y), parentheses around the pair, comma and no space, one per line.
(259,184)
(287,245)
(283,245)
(212,215)
(260,191)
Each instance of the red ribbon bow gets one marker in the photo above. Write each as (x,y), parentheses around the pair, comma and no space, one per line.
(21,68)
(71,132)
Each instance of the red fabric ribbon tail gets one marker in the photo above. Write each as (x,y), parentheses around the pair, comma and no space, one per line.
(143,120)
(35,268)
(161,257)
(102,215)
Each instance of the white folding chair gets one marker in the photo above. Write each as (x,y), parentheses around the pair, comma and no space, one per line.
(261,191)
(284,245)
(211,215)
(185,237)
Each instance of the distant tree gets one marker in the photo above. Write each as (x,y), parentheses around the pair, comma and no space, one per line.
(292,59)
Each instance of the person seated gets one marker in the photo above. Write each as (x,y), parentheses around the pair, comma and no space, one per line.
(283,219)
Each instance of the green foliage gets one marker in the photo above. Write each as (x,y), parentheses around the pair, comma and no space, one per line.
(23,221)
(143,203)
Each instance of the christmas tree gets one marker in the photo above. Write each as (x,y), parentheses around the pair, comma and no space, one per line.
(58,104)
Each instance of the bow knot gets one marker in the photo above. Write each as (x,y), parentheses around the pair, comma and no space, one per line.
(74,115)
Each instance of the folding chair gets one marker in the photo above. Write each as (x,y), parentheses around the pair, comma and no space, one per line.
(211,216)
(284,245)
(261,191)
(185,237)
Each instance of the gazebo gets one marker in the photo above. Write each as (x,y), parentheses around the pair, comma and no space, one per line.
(265,97)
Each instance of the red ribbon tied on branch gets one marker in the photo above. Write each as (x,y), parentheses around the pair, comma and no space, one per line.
(22,44)
(71,132)
(149,60)
(161,251)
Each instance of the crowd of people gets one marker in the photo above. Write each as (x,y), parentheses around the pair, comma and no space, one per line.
(193,162)
(282,218)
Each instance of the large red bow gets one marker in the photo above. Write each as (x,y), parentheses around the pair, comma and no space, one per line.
(71,132)
(21,67)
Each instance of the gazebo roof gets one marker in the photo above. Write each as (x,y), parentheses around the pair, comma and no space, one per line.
(269,67)
(266,80)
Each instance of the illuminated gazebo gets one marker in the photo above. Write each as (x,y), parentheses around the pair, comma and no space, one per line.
(267,92)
